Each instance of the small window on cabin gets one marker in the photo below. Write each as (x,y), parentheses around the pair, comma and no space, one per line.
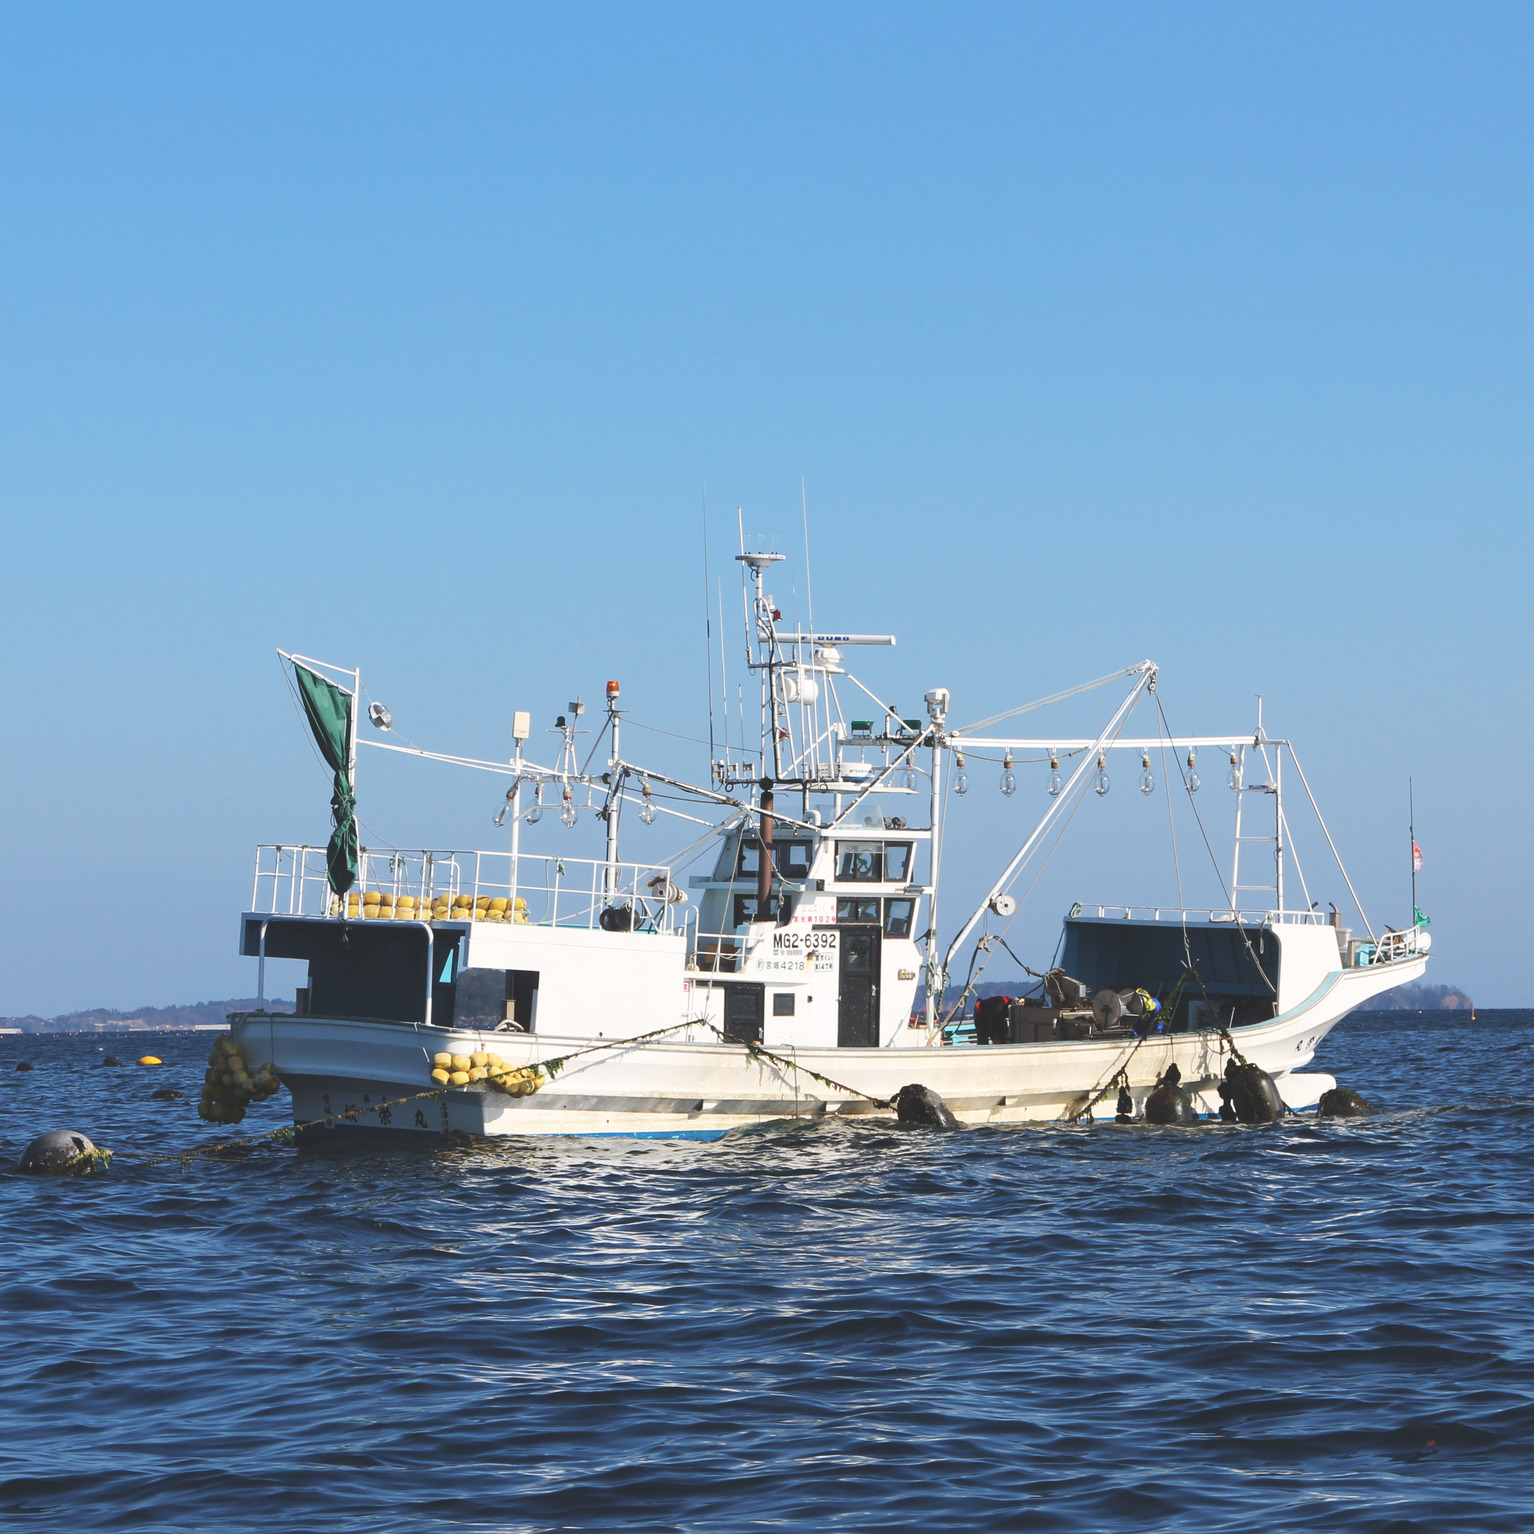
(783,1004)
(746,910)
(859,862)
(897,862)
(897,917)
(793,859)
(857,910)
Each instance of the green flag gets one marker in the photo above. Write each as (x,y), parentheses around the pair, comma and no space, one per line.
(329,711)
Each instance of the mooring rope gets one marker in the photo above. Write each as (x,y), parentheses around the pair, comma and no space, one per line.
(755,1051)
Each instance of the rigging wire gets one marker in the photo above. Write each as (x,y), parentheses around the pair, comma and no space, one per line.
(1199,819)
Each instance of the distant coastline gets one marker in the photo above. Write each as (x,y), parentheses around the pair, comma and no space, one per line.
(199,1014)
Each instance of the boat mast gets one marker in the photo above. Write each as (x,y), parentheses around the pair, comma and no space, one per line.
(765,636)
(614,792)
(937,711)
(1145,678)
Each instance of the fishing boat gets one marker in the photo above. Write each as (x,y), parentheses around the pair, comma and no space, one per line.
(801,973)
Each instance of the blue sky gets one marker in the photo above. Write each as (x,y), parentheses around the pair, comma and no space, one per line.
(408,336)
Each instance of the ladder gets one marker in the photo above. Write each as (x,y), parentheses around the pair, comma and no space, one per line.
(1273,839)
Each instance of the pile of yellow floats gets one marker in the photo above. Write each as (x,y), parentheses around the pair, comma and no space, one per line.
(229,1083)
(465,1070)
(380,905)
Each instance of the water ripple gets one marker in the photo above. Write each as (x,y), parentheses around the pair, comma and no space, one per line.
(831,1326)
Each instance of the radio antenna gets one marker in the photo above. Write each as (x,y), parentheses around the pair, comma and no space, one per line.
(809,592)
(708,633)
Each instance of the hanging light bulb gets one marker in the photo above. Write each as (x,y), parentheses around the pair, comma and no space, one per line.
(647,809)
(1235,774)
(569,814)
(535,814)
(1147,782)
(1192,775)
(1101,785)
(1055,785)
(500,819)
(1008,777)
(961,778)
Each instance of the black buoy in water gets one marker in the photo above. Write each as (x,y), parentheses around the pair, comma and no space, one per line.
(111,1060)
(165,1095)
(916,1104)
(25,1065)
(1170,1102)
(1342,1103)
(60,1150)
(1250,1094)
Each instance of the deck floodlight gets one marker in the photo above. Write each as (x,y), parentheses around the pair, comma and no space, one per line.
(1008,777)
(647,809)
(1192,773)
(1055,785)
(1101,785)
(535,814)
(1147,781)
(1234,780)
(961,778)
(568,815)
(380,716)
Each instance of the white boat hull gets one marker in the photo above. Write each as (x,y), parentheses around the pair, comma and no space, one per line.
(692,1084)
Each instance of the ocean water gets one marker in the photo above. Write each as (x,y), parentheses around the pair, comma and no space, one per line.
(828,1327)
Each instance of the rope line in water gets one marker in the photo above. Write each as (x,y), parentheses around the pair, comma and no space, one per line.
(755,1051)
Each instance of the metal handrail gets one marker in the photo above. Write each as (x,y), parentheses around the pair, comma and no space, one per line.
(1214,915)
(530,889)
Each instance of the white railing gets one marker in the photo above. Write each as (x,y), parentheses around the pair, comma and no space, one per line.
(470,886)
(1392,946)
(1174,914)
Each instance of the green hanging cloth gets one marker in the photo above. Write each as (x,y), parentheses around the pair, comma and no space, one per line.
(329,711)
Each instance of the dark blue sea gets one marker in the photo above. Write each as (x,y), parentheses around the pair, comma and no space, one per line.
(829,1327)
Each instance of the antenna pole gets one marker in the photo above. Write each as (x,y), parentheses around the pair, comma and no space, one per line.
(934,965)
(1411,831)
(809,590)
(614,794)
(708,634)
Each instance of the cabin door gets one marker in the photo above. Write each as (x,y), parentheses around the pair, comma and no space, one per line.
(857,1003)
(743,1012)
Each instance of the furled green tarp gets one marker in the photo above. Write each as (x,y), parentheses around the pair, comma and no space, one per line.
(329,710)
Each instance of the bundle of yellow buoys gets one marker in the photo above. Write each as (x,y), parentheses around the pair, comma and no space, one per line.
(229,1084)
(380,905)
(466,1070)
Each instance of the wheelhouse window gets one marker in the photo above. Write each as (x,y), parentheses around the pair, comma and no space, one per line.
(857,910)
(748,909)
(897,917)
(791,859)
(873,862)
